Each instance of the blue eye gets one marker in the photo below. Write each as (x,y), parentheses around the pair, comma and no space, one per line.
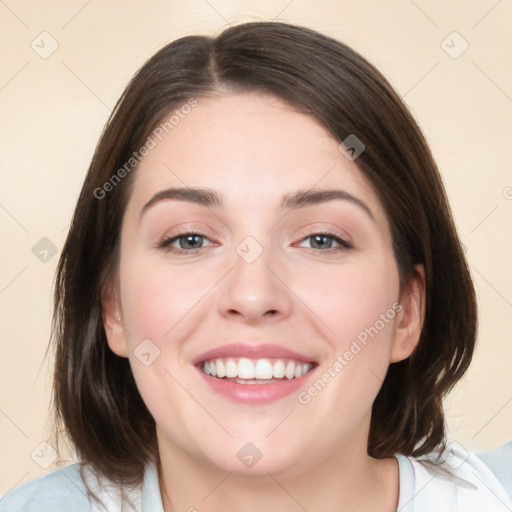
(192,242)
(188,243)
(325,242)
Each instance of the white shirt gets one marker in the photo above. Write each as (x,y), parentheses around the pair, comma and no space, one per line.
(462,482)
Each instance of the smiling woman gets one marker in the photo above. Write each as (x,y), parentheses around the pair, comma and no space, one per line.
(289,238)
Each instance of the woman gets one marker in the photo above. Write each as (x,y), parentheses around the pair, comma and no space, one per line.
(262,299)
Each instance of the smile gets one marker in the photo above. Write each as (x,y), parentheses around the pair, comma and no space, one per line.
(254,374)
(255,381)
(254,371)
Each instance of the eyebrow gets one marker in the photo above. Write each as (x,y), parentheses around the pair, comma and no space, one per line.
(292,201)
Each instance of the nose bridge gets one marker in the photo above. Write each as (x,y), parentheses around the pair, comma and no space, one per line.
(251,289)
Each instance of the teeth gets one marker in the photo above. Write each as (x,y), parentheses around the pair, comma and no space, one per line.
(261,369)
(289,372)
(221,369)
(231,368)
(245,368)
(278,371)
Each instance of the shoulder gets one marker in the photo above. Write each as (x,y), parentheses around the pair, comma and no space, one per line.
(59,490)
(500,461)
(456,481)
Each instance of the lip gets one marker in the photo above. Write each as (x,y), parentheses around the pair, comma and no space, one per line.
(252,351)
(254,393)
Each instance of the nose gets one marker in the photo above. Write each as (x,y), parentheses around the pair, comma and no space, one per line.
(255,292)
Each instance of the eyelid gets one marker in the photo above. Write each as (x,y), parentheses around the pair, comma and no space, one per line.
(336,233)
(342,244)
(165,242)
(343,241)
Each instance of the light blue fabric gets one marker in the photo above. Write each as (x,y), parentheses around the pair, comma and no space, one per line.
(500,462)
(62,490)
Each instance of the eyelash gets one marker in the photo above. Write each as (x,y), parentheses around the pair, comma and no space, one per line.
(165,244)
(343,245)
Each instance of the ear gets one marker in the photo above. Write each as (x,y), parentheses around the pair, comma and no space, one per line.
(409,320)
(112,322)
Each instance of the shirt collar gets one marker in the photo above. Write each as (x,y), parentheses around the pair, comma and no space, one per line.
(151,500)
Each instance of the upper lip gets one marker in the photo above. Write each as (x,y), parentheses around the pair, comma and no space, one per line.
(252,351)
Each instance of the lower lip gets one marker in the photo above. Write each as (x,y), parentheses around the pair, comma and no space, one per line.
(255,393)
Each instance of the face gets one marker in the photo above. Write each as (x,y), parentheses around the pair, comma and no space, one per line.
(289,295)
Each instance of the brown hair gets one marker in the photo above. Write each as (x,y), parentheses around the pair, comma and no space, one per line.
(95,395)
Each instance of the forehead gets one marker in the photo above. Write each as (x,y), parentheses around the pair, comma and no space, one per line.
(252,148)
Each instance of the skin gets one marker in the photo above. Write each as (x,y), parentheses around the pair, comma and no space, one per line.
(253,149)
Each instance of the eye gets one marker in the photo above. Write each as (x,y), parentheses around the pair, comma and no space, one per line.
(192,242)
(183,243)
(326,242)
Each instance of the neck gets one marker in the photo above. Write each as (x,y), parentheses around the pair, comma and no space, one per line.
(349,481)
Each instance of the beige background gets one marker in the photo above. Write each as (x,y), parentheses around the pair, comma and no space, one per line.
(53,110)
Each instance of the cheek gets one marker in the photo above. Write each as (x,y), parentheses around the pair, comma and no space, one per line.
(352,297)
(161,311)
(358,304)
(159,303)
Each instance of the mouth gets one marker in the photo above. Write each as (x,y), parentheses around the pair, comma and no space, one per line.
(243,370)
(254,374)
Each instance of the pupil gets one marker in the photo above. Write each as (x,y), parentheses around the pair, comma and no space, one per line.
(320,240)
(189,239)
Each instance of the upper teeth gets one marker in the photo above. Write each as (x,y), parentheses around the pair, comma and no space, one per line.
(245,368)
